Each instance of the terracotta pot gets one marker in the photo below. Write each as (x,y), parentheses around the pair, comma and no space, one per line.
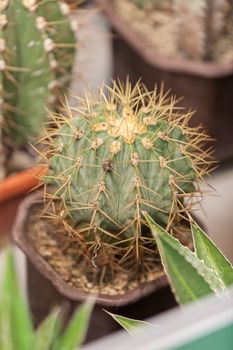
(46,288)
(12,190)
(207,87)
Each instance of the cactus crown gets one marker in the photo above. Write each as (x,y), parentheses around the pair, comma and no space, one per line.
(111,157)
(36,54)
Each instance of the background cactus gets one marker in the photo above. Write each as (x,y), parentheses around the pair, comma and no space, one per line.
(160,4)
(201,23)
(36,54)
(110,158)
(194,29)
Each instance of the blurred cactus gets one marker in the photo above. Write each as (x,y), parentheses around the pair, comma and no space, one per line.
(163,4)
(111,158)
(201,23)
(36,55)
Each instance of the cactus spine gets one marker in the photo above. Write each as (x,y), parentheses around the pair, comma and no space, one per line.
(36,54)
(110,158)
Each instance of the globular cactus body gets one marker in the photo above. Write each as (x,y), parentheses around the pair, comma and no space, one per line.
(36,54)
(120,155)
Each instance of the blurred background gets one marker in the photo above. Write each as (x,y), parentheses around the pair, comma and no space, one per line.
(129,38)
(184,47)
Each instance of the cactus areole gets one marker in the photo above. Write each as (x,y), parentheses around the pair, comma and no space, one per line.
(112,157)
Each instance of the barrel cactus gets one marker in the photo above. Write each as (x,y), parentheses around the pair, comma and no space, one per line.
(110,158)
(36,53)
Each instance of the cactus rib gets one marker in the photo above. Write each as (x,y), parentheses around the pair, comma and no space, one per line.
(111,158)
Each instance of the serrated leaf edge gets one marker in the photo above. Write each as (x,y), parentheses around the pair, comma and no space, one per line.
(207,273)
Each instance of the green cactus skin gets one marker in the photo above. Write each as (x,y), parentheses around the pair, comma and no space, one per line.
(36,55)
(111,158)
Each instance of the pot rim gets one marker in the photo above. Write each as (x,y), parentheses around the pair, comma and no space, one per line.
(184,66)
(60,285)
(20,183)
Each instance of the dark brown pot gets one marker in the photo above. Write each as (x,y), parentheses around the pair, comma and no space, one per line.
(206,87)
(8,211)
(46,289)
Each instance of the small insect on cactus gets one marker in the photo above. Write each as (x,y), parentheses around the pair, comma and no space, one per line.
(127,151)
(36,55)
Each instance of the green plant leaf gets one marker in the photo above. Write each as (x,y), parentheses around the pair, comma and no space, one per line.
(129,324)
(76,330)
(212,257)
(6,341)
(15,322)
(189,277)
(47,331)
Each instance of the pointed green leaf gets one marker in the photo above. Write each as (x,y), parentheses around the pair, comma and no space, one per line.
(189,277)
(76,330)
(6,341)
(15,318)
(129,324)
(207,251)
(47,331)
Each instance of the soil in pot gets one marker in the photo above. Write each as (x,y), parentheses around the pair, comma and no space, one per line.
(138,296)
(62,254)
(43,297)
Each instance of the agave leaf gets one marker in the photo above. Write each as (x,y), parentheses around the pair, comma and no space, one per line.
(76,330)
(129,324)
(47,331)
(189,277)
(212,257)
(15,322)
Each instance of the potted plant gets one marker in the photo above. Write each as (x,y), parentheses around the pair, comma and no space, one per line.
(111,158)
(35,67)
(207,322)
(187,45)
